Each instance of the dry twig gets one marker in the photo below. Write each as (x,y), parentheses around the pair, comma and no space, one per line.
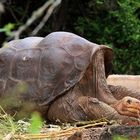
(35,15)
(62,133)
(46,17)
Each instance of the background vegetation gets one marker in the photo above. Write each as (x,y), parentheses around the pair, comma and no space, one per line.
(112,22)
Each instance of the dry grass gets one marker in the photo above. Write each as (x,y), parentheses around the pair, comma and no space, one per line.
(35,129)
(57,134)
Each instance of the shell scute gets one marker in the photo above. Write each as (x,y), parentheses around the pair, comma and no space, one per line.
(6,57)
(25,64)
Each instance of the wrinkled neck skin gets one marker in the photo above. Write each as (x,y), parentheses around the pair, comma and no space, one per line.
(94,83)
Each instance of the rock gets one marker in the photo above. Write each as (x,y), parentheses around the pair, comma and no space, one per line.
(129,81)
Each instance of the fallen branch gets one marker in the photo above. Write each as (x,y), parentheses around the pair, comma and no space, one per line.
(46,17)
(35,15)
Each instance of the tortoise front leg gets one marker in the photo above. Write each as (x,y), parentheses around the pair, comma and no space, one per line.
(120,92)
(83,108)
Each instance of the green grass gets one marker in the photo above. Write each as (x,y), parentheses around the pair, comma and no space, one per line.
(120,138)
(9,127)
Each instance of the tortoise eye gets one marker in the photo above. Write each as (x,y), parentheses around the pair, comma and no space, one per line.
(129,101)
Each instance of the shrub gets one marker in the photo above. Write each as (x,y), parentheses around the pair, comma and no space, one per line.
(116,24)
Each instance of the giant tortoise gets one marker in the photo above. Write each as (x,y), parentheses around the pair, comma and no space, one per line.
(64,78)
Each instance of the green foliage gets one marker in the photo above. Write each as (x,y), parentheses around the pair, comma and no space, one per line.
(7,125)
(117,25)
(36,123)
(7,29)
(10,128)
(127,38)
(120,138)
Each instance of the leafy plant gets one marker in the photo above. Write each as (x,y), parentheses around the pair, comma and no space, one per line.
(36,123)
(7,125)
(7,29)
(10,128)
(117,24)
(117,137)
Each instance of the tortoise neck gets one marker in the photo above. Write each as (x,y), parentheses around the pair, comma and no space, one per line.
(87,84)
(102,91)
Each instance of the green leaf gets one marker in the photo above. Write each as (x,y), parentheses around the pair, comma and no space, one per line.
(7,29)
(9,26)
(36,123)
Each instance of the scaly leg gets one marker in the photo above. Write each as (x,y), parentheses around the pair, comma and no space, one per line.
(70,108)
(120,92)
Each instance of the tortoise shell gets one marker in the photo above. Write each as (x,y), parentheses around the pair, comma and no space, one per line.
(48,66)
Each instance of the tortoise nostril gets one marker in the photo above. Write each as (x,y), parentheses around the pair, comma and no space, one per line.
(137,102)
(129,101)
